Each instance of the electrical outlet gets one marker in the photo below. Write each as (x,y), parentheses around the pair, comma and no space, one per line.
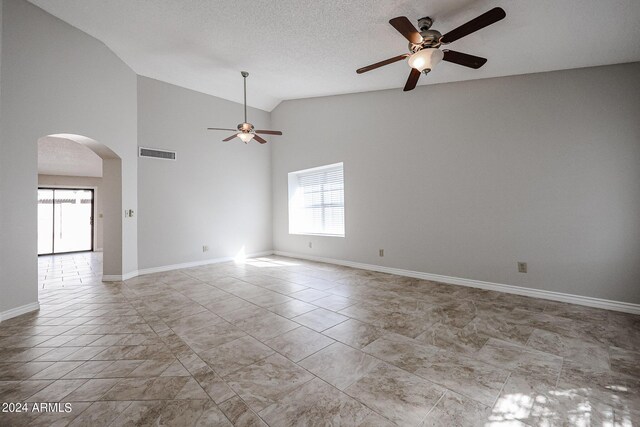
(522,267)
(381,252)
(205,248)
(310,244)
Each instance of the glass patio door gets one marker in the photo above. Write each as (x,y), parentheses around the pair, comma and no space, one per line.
(65,220)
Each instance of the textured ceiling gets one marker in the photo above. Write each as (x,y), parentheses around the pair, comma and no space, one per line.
(306,48)
(60,156)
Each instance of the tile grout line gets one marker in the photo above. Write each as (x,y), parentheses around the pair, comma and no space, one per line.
(501,389)
(433,407)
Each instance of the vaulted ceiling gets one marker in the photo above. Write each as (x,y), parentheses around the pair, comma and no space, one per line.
(307,48)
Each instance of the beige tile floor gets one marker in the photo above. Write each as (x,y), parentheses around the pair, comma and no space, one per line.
(284,342)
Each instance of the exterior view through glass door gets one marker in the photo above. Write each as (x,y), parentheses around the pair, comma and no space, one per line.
(65,220)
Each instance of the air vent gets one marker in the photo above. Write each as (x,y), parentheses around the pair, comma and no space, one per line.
(157,154)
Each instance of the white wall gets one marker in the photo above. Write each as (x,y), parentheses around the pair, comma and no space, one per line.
(57,79)
(3,287)
(216,194)
(82,182)
(465,179)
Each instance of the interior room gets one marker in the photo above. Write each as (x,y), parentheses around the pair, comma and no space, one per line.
(295,213)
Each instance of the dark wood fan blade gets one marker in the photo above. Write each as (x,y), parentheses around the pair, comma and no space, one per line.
(230,130)
(412,81)
(406,28)
(484,20)
(259,139)
(269,132)
(464,59)
(381,63)
(230,138)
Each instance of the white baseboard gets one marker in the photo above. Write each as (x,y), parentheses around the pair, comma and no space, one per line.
(197,263)
(8,314)
(510,289)
(119,277)
(142,272)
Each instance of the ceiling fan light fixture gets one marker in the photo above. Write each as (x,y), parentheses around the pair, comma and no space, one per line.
(245,137)
(425,59)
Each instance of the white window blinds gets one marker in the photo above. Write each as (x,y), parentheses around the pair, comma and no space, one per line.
(316,202)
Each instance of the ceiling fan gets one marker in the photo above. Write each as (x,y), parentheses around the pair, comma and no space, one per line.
(245,130)
(424,46)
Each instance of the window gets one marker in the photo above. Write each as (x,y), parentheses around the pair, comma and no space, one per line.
(316,201)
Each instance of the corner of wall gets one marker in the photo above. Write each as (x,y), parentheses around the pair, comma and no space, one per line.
(1,166)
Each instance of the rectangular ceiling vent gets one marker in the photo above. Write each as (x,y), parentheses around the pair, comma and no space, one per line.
(157,154)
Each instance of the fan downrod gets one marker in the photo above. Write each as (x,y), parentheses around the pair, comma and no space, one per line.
(425,23)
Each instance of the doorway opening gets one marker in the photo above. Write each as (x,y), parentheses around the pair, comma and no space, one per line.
(79,210)
(65,220)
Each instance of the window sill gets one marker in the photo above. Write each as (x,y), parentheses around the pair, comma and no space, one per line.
(315,234)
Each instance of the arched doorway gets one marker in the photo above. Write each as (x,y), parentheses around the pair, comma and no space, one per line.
(71,154)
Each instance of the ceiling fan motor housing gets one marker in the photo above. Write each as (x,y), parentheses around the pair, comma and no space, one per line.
(245,127)
(430,39)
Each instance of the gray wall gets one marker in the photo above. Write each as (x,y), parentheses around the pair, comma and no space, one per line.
(465,179)
(216,194)
(460,179)
(57,79)
(82,182)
